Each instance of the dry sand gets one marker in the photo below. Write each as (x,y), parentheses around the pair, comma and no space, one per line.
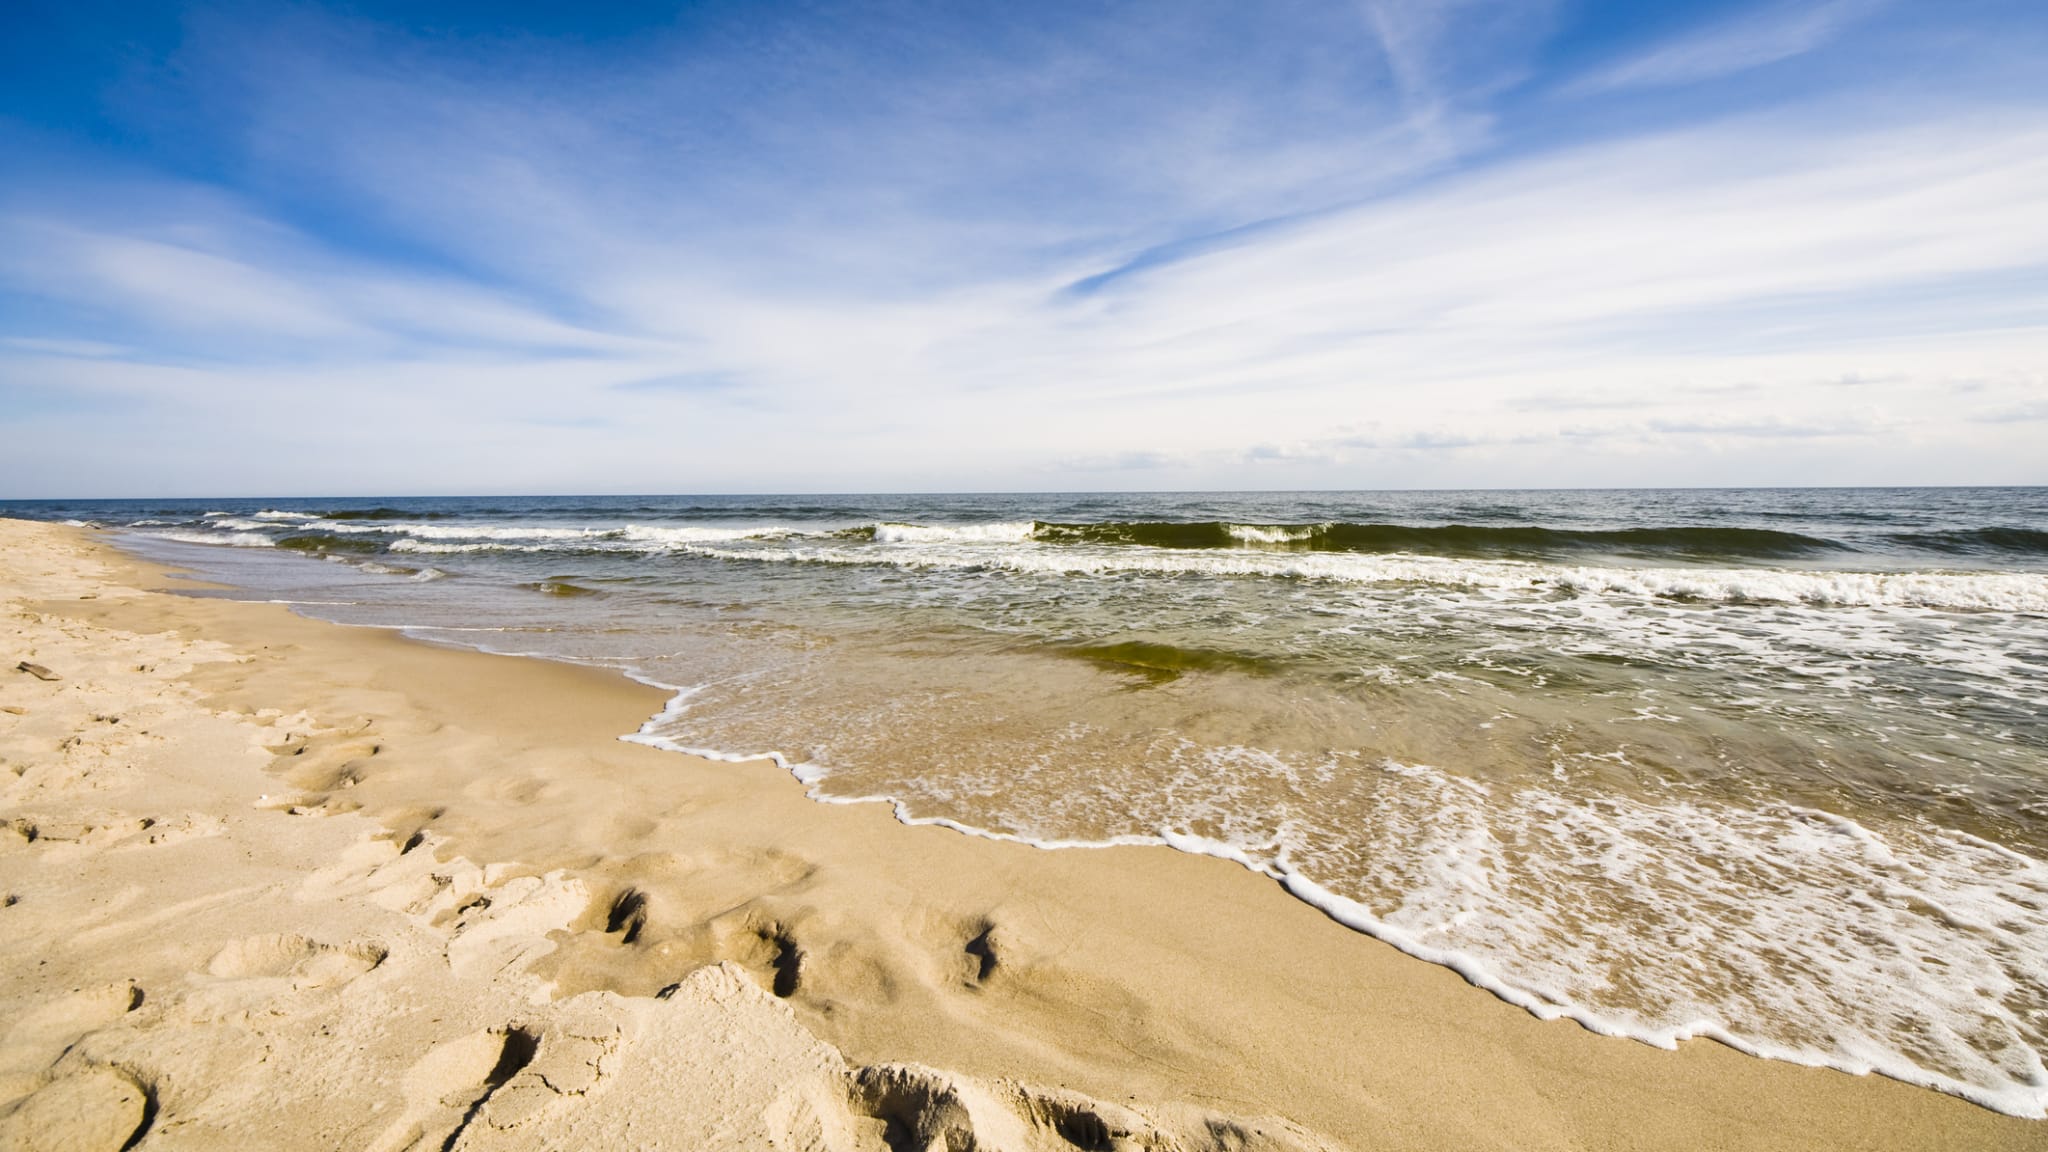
(274,883)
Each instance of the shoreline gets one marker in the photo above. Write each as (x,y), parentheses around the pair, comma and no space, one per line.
(1167,982)
(1339,910)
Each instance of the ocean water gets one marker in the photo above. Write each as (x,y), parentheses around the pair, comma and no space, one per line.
(1765,766)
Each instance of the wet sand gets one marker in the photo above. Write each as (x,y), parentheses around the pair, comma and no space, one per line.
(288,884)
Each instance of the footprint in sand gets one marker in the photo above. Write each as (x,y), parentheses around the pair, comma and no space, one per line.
(447,1088)
(910,1106)
(92,1110)
(762,943)
(510,927)
(785,959)
(627,916)
(578,1050)
(981,953)
(80,1109)
(43,1033)
(307,963)
(494,1089)
(19,832)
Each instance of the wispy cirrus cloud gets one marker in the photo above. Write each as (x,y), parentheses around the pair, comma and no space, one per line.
(1778,31)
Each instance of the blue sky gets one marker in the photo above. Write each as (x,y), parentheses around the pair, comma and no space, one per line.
(394,248)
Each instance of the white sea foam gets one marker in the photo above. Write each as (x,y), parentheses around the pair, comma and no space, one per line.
(695,534)
(230,539)
(430,547)
(1997,591)
(433,548)
(479,531)
(1007,532)
(663,536)
(1785,932)
(273,514)
(1256,534)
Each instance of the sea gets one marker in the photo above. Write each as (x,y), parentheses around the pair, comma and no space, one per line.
(1765,766)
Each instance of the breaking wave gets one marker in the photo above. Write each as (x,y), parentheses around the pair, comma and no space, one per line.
(1977,591)
(1448,539)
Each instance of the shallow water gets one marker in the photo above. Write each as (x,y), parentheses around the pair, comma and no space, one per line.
(1761,765)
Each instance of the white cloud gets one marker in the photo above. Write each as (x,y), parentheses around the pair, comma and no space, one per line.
(231,285)
(169,285)
(89,349)
(1780,32)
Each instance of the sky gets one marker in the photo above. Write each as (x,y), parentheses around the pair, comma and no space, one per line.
(407,248)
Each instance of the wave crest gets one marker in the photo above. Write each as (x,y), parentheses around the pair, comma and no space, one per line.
(1511,541)
(1006,532)
(1977,591)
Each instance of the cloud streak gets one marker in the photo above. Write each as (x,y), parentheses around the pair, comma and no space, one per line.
(1773,34)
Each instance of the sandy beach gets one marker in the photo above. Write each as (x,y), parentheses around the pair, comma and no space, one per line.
(276,883)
